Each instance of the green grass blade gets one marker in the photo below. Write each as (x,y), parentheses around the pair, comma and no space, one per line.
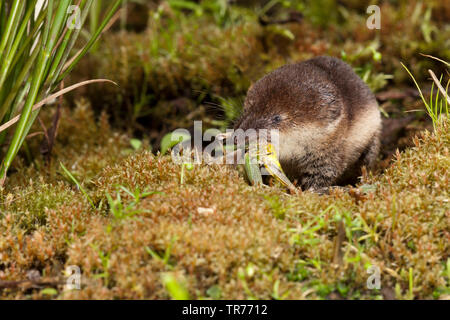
(18,84)
(9,25)
(18,39)
(14,29)
(91,42)
(74,180)
(85,6)
(26,45)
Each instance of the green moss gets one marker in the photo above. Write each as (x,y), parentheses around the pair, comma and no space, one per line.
(31,203)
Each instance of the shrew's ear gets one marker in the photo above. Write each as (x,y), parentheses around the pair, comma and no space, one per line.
(330,103)
(331,112)
(334,111)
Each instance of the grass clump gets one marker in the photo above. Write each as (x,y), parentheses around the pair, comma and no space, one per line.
(36,55)
(437,105)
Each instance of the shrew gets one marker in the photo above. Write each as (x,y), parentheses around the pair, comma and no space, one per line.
(328,120)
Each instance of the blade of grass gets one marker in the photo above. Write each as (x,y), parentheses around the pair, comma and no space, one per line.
(7,63)
(14,29)
(439,85)
(74,180)
(91,42)
(112,21)
(67,47)
(32,36)
(9,25)
(18,84)
(437,59)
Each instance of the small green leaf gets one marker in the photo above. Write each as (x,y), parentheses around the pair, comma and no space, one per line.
(214,292)
(49,292)
(176,289)
(282,32)
(252,170)
(368,188)
(172,139)
(136,144)
(186,5)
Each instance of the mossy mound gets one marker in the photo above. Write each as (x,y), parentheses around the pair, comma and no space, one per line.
(218,237)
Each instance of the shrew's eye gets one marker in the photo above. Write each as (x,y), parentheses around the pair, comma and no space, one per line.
(277,119)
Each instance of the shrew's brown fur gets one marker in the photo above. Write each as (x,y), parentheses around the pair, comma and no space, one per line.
(328,120)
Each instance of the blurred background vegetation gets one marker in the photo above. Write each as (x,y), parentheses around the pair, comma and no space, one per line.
(178,60)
